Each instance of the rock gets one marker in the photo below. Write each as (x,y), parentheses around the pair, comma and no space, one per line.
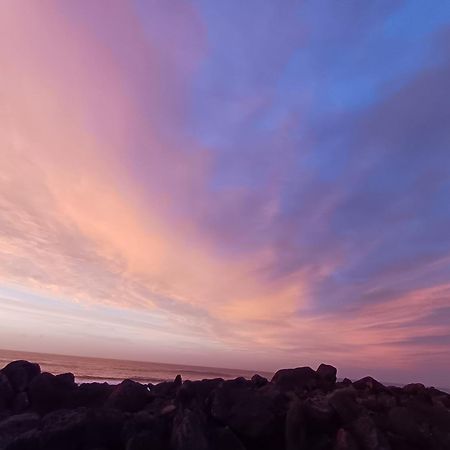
(21,403)
(6,392)
(319,413)
(327,374)
(64,429)
(402,422)
(145,428)
(91,394)
(301,378)
(14,426)
(21,373)
(251,413)
(259,381)
(414,388)
(345,441)
(369,384)
(189,432)
(295,429)
(48,392)
(30,440)
(224,439)
(145,440)
(128,396)
(368,435)
(343,401)
(197,392)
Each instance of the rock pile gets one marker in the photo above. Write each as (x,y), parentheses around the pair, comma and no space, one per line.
(299,409)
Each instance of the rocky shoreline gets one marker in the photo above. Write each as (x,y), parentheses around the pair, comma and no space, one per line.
(299,409)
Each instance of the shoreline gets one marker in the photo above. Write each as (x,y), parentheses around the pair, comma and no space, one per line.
(298,409)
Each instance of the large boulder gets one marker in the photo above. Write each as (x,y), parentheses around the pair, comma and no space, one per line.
(21,373)
(48,392)
(222,438)
(327,375)
(128,396)
(299,379)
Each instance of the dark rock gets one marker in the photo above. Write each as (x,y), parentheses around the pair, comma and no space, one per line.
(259,381)
(64,429)
(145,440)
(21,373)
(128,396)
(327,374)
(369,384)
(319,413)
(6,392)
(253,414)
(197,391)
(343,401)
(153,430)
(189,431)
(347,382)
(345,441)
(402,422)
(29,440)
(165,389)
(91,394)
(20,403)
(224,439)
(295,431)
(414,388)
(301,378)
(368,435)
(48,392)
(14,426)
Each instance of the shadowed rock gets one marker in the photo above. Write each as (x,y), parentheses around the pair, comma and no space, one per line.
(21,373)
(300,409)
(301,378)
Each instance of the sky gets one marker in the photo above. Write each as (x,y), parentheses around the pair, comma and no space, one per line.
(237,184)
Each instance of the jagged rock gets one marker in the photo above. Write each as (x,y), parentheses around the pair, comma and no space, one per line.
(21,373)
(128,396)
(301,378)
(414,388)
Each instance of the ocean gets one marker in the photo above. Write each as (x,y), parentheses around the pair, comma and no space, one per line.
(87,369)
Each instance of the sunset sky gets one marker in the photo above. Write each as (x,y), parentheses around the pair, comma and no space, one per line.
(250,184)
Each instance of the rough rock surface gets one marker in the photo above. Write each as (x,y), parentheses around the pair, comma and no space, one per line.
(299,409)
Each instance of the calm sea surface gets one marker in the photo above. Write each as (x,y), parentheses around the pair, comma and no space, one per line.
(114,371)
